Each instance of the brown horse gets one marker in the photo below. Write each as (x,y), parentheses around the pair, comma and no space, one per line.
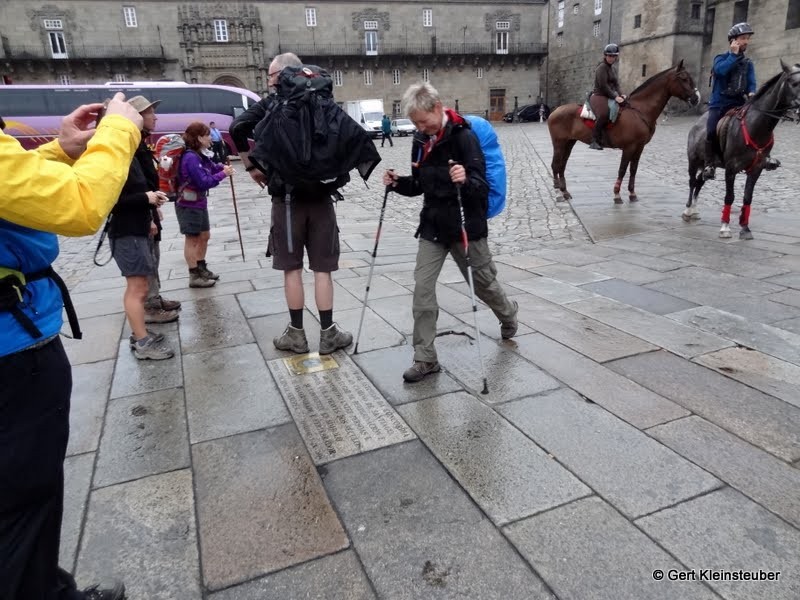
(634,127)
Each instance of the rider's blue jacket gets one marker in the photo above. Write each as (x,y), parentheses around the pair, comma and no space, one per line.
(724,66)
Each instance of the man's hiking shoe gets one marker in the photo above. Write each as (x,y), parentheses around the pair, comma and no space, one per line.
(333,338)
(150,349)
(157,337)
(116,592)
(197,280)
(293,340)
(159,315)
(201,264)
(509,329)
(419,370)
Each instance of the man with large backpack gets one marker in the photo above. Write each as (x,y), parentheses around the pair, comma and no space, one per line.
(447,162)
(302,170)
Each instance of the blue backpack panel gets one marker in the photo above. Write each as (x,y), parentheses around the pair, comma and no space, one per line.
(495,163)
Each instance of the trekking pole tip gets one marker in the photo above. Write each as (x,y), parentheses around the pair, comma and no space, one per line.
(485,390)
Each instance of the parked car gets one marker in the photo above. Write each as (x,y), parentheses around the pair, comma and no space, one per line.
(531,113)
(403,127)
(373,133)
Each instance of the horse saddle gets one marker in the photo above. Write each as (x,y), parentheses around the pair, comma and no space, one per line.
(588,114)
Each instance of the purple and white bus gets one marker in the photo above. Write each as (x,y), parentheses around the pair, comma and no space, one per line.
(33,113)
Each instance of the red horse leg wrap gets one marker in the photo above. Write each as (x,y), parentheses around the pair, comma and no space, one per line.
(744,217)
(726,213)
(617,186)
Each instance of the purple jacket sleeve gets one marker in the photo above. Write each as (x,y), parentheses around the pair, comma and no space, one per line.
(200,175)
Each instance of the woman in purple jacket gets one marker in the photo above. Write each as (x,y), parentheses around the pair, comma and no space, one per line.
(197,174)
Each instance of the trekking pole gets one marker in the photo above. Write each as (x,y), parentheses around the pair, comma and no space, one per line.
(465,241)
(235,210)
(372,266)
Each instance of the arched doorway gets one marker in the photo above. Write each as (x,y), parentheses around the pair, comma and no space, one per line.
(229,80)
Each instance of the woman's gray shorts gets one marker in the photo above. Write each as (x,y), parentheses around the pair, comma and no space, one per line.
(133,256)
(192,221)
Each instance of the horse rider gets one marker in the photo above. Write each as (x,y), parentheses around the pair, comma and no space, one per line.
(734,82)
(606,90)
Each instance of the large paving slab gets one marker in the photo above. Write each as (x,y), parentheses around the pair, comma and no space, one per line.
(770,482)
(143,532)
(570,274)
(384,368)
(397,313)
(504,471)
(585,335)
(419,535)
(792,325)
(260,506)
(759,309)
(77,481)
(338,411)
(375,332)
(380,287)
(747,262)
(508,375)
(133,376)
(587,550)
(577,256)
(90,385)
(552,290)
(658,330)
(335,577)
(791,280)
(625,271)
(725,531)
(598,447)
(211,324)
(640,297)
(617,394)
(761,371)
(100,339)
(664,265)
(788,297)
(143,435)
(270,301)
(769,340)
(760,419)
(230,391)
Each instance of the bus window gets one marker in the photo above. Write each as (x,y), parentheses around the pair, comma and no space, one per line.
(63,101)
(237,110)
(25,103)
(221,102)
(173,100)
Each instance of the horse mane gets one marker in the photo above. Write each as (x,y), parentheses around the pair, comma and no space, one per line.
(647,82)
(766,86)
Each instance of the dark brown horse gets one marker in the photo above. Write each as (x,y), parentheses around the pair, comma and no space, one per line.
(635,126)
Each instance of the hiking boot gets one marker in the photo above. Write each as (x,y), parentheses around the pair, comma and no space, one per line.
(168,304)
(196,279)
(151,350)
(201,264)
(419,370)
(509,329)
(115,592)
(157,337)
(292,339)
(159,315)
(333,338)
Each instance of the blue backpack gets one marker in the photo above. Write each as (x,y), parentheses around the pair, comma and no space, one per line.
(495,163)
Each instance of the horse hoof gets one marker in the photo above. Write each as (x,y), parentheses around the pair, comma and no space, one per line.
(618,200)
(686,218)
(633,198)
(725,231)
(745,234)
(566,196)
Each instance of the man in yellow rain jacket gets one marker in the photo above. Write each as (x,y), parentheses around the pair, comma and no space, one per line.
(65,187)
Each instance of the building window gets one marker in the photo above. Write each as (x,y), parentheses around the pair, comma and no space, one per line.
(58,45)
(311,17)
(53,24)
(598,6)
(560,13)
(367,76)
(129,13)
(576,8)
(371,42)
(479,72)
(501,38)
(596,29)
(637,21)
(426,75)
(696,11)
(560,39)
(740,8)
(427,17)
(503,25)
(396,108)
(220,30)
(396,76)
(644,70)
(371,25)
(65,80)
(708,26)
(793,14)
(338,78)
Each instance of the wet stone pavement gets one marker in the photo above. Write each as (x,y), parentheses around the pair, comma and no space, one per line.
(644,421)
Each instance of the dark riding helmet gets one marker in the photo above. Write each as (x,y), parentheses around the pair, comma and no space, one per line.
(613,50)
(739,29)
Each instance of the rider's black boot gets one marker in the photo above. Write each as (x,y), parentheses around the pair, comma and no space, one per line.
(597,136)
(710,158)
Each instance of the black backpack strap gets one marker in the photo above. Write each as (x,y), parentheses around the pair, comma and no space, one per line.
(72,316)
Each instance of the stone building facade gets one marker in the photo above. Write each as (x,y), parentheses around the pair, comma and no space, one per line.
(654,35)
(482,57)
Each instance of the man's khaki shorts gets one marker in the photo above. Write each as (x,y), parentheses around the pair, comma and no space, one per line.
(313,228)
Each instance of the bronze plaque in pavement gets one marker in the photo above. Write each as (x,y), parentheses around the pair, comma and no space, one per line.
(310,363)
(338,411)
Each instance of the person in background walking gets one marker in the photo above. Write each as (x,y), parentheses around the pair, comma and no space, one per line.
(217,145)
(386,129)
(196,175)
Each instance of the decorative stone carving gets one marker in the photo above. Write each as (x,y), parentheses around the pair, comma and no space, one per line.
(491,19)
(371,14)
